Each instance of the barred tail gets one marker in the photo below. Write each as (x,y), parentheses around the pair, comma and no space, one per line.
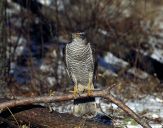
(85,107)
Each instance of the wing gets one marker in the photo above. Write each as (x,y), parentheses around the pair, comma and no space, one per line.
(91,62)
(94,61)
(66,61)
(90,59)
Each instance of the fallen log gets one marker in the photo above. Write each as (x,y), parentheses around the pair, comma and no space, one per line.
(65,97)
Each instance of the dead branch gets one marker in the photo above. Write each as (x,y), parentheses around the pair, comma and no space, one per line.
(65,97)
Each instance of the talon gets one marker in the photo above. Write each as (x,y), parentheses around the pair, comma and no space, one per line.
(75,91)
(51,93)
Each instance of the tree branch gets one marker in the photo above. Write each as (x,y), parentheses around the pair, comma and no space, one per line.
(47,99)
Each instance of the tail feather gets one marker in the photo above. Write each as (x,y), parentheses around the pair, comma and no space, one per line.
(85,107)
(84,100)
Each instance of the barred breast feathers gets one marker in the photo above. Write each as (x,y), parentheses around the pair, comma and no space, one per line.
(78,52)
(79,61)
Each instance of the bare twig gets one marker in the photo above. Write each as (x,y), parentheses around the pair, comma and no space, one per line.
(47,99)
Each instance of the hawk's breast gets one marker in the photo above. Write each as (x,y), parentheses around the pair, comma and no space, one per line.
(79,61)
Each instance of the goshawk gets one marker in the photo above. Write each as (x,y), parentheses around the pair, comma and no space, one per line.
(80,65)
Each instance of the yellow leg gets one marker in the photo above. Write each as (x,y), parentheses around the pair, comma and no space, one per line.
(51,93)
(90,87)
(75,90)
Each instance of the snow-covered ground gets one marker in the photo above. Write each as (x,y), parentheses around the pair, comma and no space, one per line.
(151,104)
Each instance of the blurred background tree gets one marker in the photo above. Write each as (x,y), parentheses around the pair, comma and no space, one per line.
(4,60)
(36,32)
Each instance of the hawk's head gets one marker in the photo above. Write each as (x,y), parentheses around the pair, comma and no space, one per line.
(78,35)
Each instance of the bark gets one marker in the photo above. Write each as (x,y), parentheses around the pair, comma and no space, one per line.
(65,97)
